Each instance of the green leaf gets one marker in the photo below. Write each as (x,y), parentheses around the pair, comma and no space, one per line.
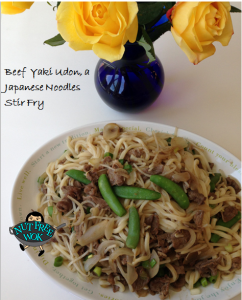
(147,44)
(49,3)
(157,31)
(55,41)
(58,3)
(234,9)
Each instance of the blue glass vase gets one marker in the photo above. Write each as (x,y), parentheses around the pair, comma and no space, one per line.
(129,84)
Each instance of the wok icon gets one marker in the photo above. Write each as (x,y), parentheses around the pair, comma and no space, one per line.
(35,233)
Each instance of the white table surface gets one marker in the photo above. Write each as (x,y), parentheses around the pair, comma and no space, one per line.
(204,99)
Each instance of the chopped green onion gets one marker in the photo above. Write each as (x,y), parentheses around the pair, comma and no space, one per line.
(42,177)
(204,282)
(128,168)
(197,284)
(88,209)
(229,248)
(146,264)
(98,271)
(58,261)
(88,256)
(152,263)
(72,228)
(108,154)
(212,205)
(168,140)
(213,279)
(50,210)
(121,161)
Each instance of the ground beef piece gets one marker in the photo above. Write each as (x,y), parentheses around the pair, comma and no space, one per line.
(78,184)
(211,165)
(180,238)
(153,221)
(135,152)
(99,201)
(91,189)
(142,280)
(195,196)
(180,282)
(229,213)
(207,268)
(87,168)
(191,258)
(179,269)
(116,176)
(107,160)
(212,195)
(163,242)
(160,285)
(73,191)
(198,218)
(236,263)
(111,278)
(64,205)
(155,171)
(234,184)
(117,165)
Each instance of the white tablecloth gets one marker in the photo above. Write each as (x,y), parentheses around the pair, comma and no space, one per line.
(204,99)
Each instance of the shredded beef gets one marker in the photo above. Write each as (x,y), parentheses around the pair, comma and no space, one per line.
(195,196)
(102,203)
(207,268)
(191,258)
(135,152)
(179,269)
(229,213)
(155,171)
(163,242)
(153,221)
(78,184)
(107,160)
(236,263)
(180,282)
(117,165)
(234,184)
(160,285)
(180,238)
(64,205)
(116,176)
(91,189)
(142,280)
(87,168)
(73,191)
(198,218)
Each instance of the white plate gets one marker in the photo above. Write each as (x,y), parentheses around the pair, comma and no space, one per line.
(26,189)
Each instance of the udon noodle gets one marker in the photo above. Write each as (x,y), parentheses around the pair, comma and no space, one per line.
(177,240)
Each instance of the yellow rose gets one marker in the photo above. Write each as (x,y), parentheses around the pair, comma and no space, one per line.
(13,8)
(103,27)
(196,25)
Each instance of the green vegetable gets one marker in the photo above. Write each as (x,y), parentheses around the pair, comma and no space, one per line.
(213,279)
(88,209)
(72,229)
(136,193)
(162,271)
(146,264)
(153,263)
(132,240)
(58,261)
(109,196)
(168,140)
(197,284)
(212,205)
(128,168)
(108,154)
(88,256)
(229,248)
(50,210)
(97,271)
(204,282)
(42,177)
(78,175)
(214,180)
(173,189)
(215,237)
(121,161)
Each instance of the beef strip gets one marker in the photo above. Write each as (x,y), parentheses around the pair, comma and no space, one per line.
(116,176)
(78,184)
(142,280)
(179,269)
(160,285)
(234,184)
(94,173)
(236,263)
(102,203)
(198,218)
(163,242)
(117,165)
(180,282)
(191,258)
(73,191)
(135,152)
(207,268)
(229,213)
(180,238)
(155,171)
(107,160)
(91,189)
(87,168)
(153,221)
(195,196)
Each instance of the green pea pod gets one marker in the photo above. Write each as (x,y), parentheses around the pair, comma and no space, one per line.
(136,193)
(215,237)
(109,196)
(214,180)
(132,240)
(173,189)
(78,175)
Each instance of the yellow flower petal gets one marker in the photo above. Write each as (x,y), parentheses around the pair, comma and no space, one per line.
(107,52)
(13,8)
(131,32)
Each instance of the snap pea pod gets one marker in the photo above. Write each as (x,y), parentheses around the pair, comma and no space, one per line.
(213,180)
(215,237)
(136,193)
(132,240)
(173,189)
(78,175)
(109,196)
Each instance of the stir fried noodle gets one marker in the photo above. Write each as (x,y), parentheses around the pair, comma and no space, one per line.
(192,246)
